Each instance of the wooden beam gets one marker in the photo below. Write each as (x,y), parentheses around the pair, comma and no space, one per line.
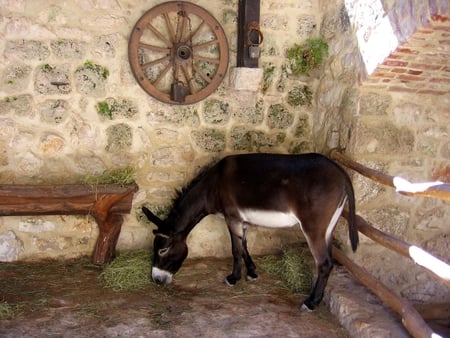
(411,319)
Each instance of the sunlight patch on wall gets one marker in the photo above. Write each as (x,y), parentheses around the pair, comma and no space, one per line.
(376,38)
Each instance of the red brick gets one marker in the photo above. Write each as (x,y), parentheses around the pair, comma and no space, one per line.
(402,89)
(404,50)
(425,66)
(414,72)
(440,80)
(383,74)
(395,63)
(432,92)
(410,78)
(398,70)
(439,18)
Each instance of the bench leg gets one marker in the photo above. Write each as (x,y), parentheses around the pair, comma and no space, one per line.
(109,226)
(105,248)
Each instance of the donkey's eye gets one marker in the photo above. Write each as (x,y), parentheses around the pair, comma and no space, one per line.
(163,251)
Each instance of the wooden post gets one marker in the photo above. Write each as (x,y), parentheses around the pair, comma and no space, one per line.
(411,319)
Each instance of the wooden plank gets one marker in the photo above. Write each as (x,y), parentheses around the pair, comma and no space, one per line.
(21,200)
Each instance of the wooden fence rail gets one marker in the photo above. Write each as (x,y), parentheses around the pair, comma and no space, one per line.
(411,319)
(430,189)
(418,255)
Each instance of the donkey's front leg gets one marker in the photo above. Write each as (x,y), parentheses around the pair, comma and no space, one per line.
(237,249)
(249,265)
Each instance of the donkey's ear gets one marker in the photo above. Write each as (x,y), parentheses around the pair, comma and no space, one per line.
(156,232)
(153,218)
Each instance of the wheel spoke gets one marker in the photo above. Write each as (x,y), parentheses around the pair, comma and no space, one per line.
(162,74)
(200,72)
(155,62)
(204,44)
(188,79)
(170,27)
(154,48)
(194,33)
(206,59)
(184,20)
(159,35)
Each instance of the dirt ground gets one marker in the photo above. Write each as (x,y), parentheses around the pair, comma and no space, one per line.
(67,299)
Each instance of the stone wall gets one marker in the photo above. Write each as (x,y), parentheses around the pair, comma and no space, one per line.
(402,128)
(63,62)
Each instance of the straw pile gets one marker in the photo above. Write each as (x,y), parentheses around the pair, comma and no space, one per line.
(7,311)
(128,271)
(292,268)
(122,176)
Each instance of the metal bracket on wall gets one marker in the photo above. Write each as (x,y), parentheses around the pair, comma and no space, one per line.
(249,34)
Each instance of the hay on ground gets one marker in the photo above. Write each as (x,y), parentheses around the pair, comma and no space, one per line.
(129,271)
(7,311)
(292,268)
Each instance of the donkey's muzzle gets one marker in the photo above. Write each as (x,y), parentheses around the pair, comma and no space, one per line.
(161,276)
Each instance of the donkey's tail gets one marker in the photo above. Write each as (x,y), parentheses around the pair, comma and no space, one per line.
(351,219)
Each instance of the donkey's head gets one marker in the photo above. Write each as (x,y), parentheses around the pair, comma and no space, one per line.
(169,250)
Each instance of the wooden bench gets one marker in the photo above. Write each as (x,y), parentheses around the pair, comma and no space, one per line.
(106,203)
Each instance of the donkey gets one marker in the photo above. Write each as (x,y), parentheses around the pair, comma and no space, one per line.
(271,190)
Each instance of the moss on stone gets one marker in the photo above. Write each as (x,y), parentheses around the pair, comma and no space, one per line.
(268,75)
(216,111)
(300,96)
(243,139)
(120,137)
(210,140)
(279,117)
(302,128)
(112,108)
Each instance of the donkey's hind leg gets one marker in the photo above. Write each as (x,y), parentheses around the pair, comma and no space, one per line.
(249,265)
(324,263)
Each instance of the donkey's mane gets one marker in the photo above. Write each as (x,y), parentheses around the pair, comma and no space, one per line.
(181,193)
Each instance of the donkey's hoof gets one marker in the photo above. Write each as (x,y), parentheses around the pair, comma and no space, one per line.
(230,281)
(306,308)
(251,278)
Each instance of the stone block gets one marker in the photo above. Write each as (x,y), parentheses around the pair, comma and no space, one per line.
(209,140)
(120,137)
(216,111)
(53,79)
(15,78)
(27,50)
(243,78)
(279,117)
(10,247)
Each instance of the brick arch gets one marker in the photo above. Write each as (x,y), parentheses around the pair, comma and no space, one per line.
(404,44)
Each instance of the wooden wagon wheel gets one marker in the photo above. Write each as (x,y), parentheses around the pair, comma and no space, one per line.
(178,52)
